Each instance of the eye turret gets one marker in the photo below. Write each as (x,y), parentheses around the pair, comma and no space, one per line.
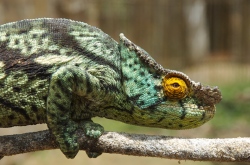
(174,88)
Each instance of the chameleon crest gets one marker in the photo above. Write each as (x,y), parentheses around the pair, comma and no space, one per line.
(63,73)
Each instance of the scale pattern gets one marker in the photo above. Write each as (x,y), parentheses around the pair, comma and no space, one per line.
(63,73)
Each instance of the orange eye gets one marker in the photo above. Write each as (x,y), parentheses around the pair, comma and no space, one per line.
(175,88)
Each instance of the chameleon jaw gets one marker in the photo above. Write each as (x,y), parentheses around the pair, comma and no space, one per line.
(192,111)
(174,115)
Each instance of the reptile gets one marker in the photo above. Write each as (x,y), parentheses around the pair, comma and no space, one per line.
(63,72)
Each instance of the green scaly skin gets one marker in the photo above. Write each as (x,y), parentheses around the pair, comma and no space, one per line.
(63,73)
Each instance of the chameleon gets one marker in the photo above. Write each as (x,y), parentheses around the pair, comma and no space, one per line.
(63,73)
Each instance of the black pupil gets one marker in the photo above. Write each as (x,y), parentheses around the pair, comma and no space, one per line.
(175,85)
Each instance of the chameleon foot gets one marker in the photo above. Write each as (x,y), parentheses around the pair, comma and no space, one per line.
(92,130)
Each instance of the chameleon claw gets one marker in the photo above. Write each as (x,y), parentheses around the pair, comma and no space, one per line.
(93,154)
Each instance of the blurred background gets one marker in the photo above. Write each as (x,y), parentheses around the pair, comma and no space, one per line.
(209,40)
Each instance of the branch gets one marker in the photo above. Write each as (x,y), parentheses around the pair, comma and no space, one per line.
(227,150)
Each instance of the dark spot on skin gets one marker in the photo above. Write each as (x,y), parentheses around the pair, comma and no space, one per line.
(17,42)
(65,73)
(23,102)
(134,98)
(63,103)
(53,87)
(34,108)
(16,76)
(40,42)
(52,115)
(33,91)
(126,78)
(45,35)
(69,53)
(161,119)
(26,42)
(112,51)
(34,36)
(14,26)
(71,30)
(20,122)
(40,86)
(108,45)
(150,72)
(183,114)
(156,76)
(38,117)
(44,98)
(11,117)
(16,89)
(23,31)
(142,102)
(1,85)
(7,34)
(29,48)
(142,73)
(57,95)
(203,116)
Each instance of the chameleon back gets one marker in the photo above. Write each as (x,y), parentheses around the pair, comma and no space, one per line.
(31,50)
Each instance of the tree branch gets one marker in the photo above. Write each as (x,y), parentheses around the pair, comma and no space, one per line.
(227,150)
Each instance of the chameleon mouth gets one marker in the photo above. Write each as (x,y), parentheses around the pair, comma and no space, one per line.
(209,112)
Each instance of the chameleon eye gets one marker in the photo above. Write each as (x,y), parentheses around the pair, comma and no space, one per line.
(174,88)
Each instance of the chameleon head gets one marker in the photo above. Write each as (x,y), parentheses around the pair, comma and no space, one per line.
(163,98)
(186,104)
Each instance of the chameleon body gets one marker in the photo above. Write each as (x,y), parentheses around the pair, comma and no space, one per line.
(63,73)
